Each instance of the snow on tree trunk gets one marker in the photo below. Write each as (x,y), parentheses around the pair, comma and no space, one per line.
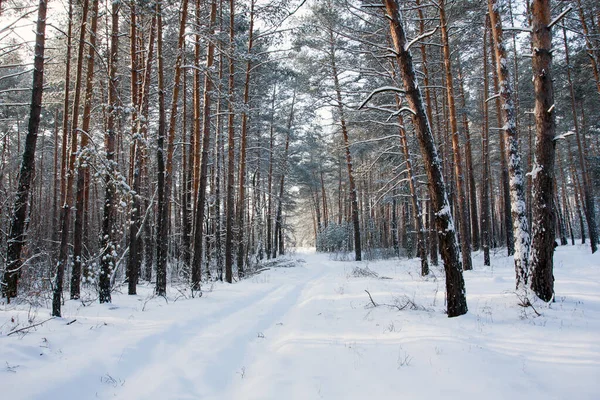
(107,258)
(543,224)
(201,194)
(516,179)
(455,286)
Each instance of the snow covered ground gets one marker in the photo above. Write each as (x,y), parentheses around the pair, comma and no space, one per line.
(311,332)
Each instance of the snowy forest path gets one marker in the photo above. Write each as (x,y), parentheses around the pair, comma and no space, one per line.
(194,353)
(311,332)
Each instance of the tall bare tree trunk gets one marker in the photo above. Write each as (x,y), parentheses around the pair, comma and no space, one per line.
(504,179)
(463,213)
(219,151)
(590,46)
(590,214)
(231,151)
(243,144)
(164,213)
(65,121)
(543,236)
(107,245)
(269,238)
(162,193)
(485,186)
(134,262)
(197,105)
(472,189)
(16,235)
(83,170)
(201,195)
(278,243)
(518,203)
(455,286)
(346,141)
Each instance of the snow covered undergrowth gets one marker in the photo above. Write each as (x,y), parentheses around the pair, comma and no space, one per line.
(312,332)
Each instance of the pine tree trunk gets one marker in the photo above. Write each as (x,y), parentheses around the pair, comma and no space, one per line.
(542,247)
(241,209)
(269,239)
(83,170)
(418,216)
(278,243)
(346,141)
(463,213)
(201,195)
(485,187)
(165,212)
(590,214)
(472,189)
(455,287)
(136,230)
(507,222)
(162,192)
(518,203)
(219,151)
(595,63)
(65,121)
(65,217)
(231,151)
(107,244)
(16,236)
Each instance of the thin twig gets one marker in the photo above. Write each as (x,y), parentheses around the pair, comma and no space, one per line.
(370,297)
(29,327)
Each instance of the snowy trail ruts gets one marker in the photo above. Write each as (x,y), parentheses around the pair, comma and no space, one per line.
(193,359)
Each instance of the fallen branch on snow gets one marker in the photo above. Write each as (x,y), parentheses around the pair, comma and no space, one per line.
(29,327)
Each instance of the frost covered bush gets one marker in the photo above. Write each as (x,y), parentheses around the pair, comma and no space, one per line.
(334,237)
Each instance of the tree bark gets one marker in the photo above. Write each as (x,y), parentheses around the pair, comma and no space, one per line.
(590,213)
(243,144)
(278,244)
(505,227)
(485,187)
(346,141)
(463,213)
(472,189)
(107,244)
(231,151)
(162,192)
(543,224)
(201,195)
(65,217)
(455,287)
(16,236)
(518,203)
(83,171)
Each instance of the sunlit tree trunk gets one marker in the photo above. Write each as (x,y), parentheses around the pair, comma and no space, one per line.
(590,213)
(201,195)
(241,209)
(82,191)
(520,228)
(542,245)
(463,213)
(455,287)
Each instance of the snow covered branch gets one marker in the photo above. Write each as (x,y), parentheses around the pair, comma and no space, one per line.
(380,90)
